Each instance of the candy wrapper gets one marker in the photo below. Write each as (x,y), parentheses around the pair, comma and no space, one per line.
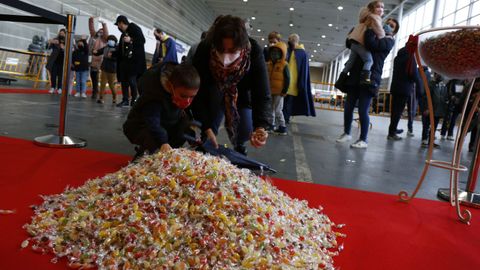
(182,210)
(453,54)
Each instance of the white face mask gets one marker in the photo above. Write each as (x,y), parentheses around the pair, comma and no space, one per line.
(111,43)
(228,58)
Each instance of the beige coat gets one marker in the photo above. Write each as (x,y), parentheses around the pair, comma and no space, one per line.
(367,20)
(97,44)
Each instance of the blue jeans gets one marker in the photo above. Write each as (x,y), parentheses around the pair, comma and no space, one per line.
(364,99)
(412,111)
(245,126)
(357,50)
(81,78)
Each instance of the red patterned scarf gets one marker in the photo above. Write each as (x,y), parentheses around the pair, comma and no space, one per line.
(226,79)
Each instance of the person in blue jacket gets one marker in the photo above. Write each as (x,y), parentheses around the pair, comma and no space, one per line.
(166,50)
(380,49)
(405,83)
(299,99)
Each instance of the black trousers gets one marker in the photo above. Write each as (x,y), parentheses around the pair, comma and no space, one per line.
(94,77)
(131,84)
(56,74)
(398,105)
(287,107)
(426,126)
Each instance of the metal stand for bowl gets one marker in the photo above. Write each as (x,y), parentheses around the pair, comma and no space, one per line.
(454,165)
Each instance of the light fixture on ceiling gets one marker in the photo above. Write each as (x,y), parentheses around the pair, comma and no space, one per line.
(339,7)
(309,60)
(311,55)
(265,46)
(318,44)
(323,36)
(253,18)
(263,39)
(259,30)
(291,24)
(330,25)
(245,1)
(292,9)
(314,50)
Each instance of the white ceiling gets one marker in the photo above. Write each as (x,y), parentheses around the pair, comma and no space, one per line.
(311,19)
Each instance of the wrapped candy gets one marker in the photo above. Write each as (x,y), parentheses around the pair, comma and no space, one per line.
(453,54)
(183,210)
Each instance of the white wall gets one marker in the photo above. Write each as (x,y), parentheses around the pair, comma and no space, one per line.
(182,19)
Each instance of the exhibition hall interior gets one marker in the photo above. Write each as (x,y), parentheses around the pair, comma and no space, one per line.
(239,134)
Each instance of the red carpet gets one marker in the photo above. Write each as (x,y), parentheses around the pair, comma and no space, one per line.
(381,232)
(41,91)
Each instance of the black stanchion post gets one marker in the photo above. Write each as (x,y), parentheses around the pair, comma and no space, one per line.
(61,140)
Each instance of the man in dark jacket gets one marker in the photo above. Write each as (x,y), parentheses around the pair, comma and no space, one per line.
(130,57)
(439,94)
(380,48)
(405,81)
(158,119)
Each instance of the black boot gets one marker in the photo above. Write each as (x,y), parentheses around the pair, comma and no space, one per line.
(340,83)
(242,149)
(139,152)
(365,77)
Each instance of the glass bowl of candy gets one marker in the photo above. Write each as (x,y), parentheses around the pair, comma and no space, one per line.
(452,52)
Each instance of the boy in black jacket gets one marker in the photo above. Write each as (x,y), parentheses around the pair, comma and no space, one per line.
(158,119)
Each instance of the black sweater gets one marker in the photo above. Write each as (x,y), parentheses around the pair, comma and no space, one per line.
(109,63)
(253,89)
(80,59)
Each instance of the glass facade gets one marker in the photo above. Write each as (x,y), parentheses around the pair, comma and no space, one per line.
(460,12)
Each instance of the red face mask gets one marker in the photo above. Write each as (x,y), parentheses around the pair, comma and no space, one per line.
(180,102)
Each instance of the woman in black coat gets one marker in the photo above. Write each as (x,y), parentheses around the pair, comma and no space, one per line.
(131,58)
(55,61)
(234,85)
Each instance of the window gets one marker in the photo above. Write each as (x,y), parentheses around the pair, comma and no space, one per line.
(475,20)
(461,16)
(476,8)
(459,12)
(449,7)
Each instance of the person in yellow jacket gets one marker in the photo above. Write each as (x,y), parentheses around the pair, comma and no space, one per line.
(279,76)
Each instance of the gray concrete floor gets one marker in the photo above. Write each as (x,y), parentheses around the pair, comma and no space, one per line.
(308,151)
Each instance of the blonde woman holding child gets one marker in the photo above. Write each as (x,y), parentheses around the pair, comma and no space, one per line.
(370,17)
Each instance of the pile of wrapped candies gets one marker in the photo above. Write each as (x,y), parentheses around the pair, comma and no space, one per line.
(453,54)
(182,210)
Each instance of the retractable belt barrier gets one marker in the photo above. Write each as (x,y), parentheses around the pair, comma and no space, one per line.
(59,140)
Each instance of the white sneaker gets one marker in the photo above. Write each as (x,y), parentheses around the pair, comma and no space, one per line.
(450,138)
(443,137)
(51,91)
(344,138)
(59,91)
(410,134)
(84,95)
(77,94)
(359,144)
